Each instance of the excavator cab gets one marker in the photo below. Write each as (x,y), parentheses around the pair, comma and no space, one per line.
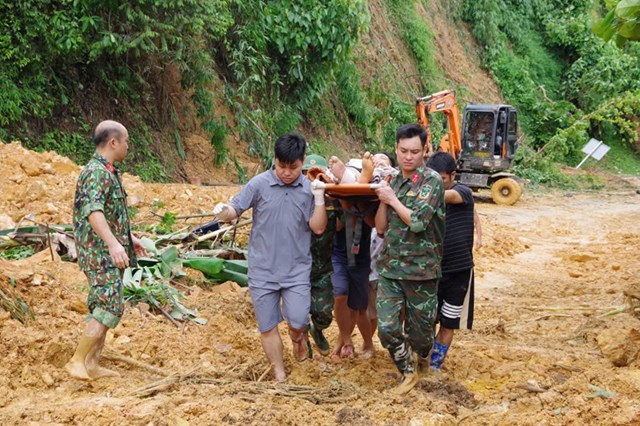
(489,135)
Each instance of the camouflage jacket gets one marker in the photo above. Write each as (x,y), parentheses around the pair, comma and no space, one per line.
(415,252)
(99,189)
(322,245)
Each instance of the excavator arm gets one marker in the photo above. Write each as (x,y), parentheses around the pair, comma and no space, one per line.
(444,102)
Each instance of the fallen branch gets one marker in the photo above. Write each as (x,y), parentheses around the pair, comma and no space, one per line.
(220,184)
(544,317)
(170,318)
(187,216)
(265,373)
(223,230)
(163,384)
(568,368)
(114,356)
(335,393)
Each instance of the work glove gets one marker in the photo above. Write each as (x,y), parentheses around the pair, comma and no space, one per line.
(317,188)
(221,210)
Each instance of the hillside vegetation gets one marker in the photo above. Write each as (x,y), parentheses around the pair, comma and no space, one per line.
(204,83)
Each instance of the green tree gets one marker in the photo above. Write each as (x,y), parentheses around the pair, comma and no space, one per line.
(621,23)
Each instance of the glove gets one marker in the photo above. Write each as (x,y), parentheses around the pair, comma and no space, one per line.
(317,188)
(221,210)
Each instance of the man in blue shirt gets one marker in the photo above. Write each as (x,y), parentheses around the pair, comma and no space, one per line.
(286,210)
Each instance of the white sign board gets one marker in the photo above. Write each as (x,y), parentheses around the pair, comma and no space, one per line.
(596,149)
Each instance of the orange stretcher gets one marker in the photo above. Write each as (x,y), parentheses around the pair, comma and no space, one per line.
(349,190)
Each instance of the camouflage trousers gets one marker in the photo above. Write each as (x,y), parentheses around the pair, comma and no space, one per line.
(419,299)
(322,302)
(105,301)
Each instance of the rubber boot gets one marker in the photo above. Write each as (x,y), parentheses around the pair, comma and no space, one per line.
(76,366)
(93,369)
(409,381)
(422,364)
(438,355)
(319,339)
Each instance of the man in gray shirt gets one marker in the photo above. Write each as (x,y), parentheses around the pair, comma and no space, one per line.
(285,211)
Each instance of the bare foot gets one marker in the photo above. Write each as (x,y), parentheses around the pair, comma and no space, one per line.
(280,376)
(367,353)
(300,350)
(100,372)
(77,370)
(347,351)
(367,168)
(336,167)
(337,349)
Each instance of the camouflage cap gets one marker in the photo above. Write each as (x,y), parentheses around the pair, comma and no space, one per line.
(314,160)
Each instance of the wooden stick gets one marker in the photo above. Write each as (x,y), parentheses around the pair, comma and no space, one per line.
(172,319)
(188,216)
(220,184)
(265,373)
(223,230)
(114,356)
(46,225)
(49,241)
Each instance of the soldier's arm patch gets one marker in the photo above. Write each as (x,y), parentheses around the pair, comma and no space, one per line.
(425,191)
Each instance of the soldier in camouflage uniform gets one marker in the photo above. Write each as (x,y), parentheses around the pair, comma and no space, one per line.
(105,245)
(321,289)
(412,217)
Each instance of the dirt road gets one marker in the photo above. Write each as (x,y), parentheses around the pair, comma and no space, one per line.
(542,350)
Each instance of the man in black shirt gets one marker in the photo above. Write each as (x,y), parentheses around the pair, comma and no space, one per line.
(455,289)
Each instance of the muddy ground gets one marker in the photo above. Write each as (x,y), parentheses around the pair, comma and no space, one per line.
(552,343)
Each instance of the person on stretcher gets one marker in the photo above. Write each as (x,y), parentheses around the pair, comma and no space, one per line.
(372,168)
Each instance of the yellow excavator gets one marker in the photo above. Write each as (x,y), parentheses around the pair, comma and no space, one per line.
(484,146)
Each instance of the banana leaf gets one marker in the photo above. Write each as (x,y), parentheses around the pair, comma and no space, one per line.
(220,269)
(209,266)
(227,275)
(241,266)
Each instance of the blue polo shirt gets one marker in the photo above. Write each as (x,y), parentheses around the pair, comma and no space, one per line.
(280,240)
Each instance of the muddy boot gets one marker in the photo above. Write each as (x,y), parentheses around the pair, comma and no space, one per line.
(367,168)
(438,355)
(422,365)
(91,362)
(409,381)
(76,366)
(319,339)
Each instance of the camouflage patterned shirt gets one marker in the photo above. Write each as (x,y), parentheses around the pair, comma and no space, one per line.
(99,189)
(321,245)
(414,252)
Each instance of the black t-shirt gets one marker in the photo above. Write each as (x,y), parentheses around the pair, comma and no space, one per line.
(458,238)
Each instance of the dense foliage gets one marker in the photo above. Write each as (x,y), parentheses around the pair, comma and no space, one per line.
(66,59)
(621,23)
(279,64)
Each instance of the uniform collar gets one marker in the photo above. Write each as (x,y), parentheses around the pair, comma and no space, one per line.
(415,176)
(109,166)
(274,180)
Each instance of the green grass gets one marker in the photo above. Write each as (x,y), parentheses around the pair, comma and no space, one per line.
(620,160)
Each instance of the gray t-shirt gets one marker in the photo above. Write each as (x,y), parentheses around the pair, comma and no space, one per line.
(280,240)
